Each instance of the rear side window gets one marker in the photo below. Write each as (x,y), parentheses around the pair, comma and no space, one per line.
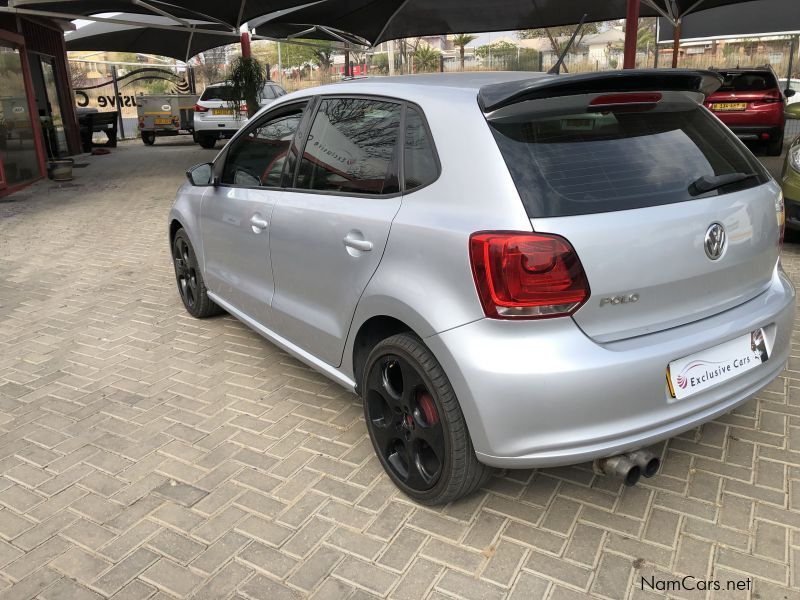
(223,93)
(420,165)
(352,148)
(747,81)
(592,162)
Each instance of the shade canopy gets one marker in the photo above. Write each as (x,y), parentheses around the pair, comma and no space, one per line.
(181,43)
(231,12)
(761,17)
(381,20)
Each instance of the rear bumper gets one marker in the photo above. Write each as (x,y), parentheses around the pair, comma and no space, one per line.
(755,132)
(541,393)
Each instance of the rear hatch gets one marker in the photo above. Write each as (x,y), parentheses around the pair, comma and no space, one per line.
(747,98)
(218,104)
(624,178)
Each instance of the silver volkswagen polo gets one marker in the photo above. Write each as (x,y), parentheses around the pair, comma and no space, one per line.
(511,269)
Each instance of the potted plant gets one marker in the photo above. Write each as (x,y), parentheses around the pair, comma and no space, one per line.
(58,168)
(247,79)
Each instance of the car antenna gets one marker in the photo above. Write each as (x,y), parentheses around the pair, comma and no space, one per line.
(556,68)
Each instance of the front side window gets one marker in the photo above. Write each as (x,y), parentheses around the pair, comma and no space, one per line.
(257,158)
(352,148)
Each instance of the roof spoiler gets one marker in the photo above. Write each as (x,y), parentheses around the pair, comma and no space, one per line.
(498,95)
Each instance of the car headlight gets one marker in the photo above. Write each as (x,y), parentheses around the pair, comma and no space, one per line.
(794,157)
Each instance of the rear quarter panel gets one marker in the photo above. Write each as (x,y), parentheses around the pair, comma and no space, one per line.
(425,277)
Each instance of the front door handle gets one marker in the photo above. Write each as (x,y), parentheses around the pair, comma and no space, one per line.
(258,223)
(356,244)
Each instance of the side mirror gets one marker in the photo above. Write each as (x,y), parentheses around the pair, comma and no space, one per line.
(788,92)
(200,175)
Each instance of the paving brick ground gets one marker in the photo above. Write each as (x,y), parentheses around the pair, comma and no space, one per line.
(145,454)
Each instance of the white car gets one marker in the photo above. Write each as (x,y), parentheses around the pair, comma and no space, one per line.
(216,119)
(794,85)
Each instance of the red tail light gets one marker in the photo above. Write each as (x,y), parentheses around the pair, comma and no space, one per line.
(198,108)
(243,108)
(770,97)
(527,275)
(626,98)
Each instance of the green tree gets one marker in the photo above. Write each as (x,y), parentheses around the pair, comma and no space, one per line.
(460,41)
(380,63)
(426,59)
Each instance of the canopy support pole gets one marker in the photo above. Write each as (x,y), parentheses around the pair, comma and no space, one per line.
(676,42)
(246,53)
(631,34)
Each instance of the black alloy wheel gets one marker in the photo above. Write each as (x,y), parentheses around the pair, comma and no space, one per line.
(191,286)
(405,422)
(415,423)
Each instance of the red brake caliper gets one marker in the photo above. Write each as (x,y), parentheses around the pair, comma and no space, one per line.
(428,407)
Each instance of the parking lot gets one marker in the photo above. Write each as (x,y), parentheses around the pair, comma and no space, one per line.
(144,453)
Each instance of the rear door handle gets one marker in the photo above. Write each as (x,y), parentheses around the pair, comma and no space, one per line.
(258,223)
(356,244)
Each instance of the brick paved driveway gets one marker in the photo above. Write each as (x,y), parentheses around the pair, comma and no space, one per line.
(147,454)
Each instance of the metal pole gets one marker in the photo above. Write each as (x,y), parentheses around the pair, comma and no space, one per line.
(246,45)
(117,102)
(791,60)
(280,65)
(658,26)
(631,34)
(391,57)
(347,62)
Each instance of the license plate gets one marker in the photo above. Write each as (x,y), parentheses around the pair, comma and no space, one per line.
(707,368)
(163,121)
(222,111)
(728,106)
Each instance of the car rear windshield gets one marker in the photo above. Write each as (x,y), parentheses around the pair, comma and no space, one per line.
(747,81)
(593,162)
(223,93)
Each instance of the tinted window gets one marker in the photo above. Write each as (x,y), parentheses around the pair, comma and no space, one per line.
(747,81)
(352,147)
(605,161)
(223,93)
(420,159)
(257,158)
(268,93)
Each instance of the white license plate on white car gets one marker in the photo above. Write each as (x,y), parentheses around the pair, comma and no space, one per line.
(707,368)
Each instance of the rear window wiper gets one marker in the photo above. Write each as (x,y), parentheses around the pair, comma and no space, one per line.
(704,184)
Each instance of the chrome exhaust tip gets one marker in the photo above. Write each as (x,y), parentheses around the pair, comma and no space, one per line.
(620,466)
(648,463)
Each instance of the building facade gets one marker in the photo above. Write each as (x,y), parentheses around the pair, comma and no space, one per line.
(37,112)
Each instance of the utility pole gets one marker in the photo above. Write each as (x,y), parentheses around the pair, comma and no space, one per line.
(391,57)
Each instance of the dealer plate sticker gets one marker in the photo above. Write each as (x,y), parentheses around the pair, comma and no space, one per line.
(710,367)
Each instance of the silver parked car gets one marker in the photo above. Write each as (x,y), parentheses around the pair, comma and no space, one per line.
(511,269)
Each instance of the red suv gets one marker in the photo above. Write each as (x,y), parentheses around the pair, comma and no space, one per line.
(751,103)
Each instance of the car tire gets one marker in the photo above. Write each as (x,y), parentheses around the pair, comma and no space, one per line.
(207,142)
(191,287)
(149,138)
(416,425)
(775,147)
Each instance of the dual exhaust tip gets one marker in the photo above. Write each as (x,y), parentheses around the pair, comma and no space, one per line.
(629,467)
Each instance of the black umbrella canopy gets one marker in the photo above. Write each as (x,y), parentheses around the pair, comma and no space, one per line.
(230,12)
(181,43)
(382,20)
